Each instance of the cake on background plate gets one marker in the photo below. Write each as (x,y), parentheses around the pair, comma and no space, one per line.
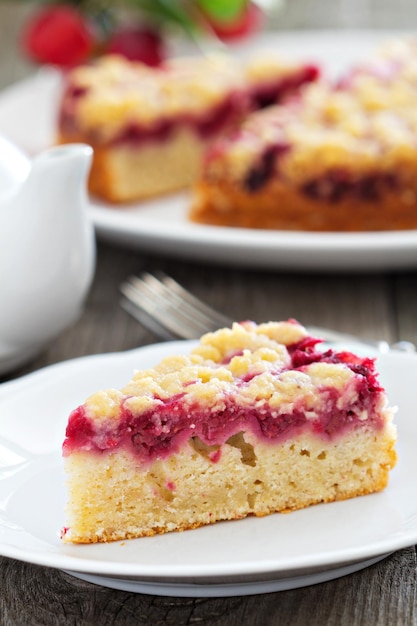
(256,419)
(150,127)
(342,157)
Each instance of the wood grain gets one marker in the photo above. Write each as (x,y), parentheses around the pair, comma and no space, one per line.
(382,595)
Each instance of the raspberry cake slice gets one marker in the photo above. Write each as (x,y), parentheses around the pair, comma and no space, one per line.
(342,157)
(149,127)
(255,420)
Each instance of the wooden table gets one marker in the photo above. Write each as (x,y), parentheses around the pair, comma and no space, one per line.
(374,305)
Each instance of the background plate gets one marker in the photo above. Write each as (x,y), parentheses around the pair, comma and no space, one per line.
(28,116)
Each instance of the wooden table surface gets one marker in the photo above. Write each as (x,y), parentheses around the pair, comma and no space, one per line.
(374,305)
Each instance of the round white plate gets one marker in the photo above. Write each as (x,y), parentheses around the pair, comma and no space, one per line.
(27,116)
(254,555)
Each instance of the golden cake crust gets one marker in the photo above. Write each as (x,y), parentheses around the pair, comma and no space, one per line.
(280,207)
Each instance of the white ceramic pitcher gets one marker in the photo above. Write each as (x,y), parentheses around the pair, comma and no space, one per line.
(47,247)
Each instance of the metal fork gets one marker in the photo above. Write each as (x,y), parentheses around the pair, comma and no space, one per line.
(171,312)
(167,309)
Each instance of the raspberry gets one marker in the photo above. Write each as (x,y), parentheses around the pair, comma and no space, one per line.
(137,43)
(58,35)
(247,22)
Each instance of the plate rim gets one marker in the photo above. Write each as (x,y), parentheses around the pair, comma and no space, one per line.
(226,589)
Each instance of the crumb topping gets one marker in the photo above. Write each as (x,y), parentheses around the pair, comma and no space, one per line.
(269,379)
(209,371)
(115,91)
(366,122)
(266,65)
(103,98)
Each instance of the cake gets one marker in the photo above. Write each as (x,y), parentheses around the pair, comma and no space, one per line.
(149,127)
(342,157)
(255,419)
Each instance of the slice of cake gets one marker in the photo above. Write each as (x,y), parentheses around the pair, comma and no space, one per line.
(342,157)
(149,127)
(255,420)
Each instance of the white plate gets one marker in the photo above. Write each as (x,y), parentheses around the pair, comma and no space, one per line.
(254,555)
(27,116)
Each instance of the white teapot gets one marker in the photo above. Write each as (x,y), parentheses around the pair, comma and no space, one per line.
(47,247)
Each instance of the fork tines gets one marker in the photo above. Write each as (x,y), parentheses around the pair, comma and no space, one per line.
(167,309)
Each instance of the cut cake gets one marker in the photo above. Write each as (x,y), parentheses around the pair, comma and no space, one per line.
(342,157)
(149,127)
(255,420)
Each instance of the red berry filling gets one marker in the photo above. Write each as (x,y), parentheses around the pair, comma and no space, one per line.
(263,171)
(227,113)
(214,121)
(207,125)
(274,93)
(161,431)
(336,186)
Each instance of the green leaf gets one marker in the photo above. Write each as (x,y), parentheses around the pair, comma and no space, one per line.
(223,10)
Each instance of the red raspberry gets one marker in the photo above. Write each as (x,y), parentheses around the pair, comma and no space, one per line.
(58,35)
(138,44)
(248,22)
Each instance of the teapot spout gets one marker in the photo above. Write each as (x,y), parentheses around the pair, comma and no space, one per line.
(57,180)
(48,248)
